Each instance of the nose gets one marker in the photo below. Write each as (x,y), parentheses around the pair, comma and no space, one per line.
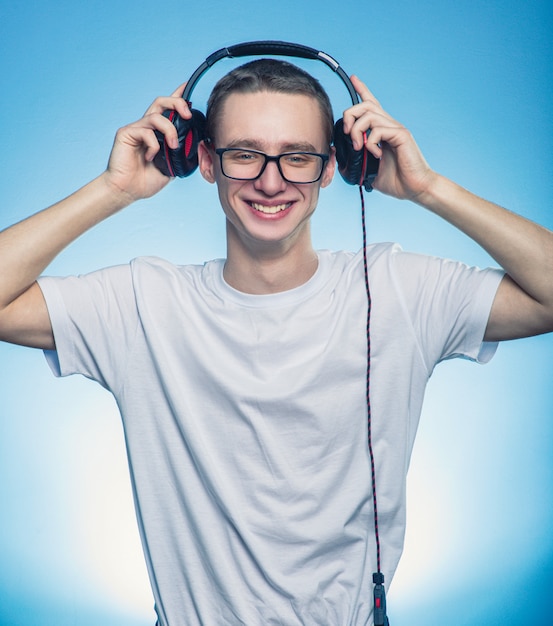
(270,182)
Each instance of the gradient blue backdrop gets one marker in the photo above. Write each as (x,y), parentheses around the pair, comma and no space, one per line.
(472,80)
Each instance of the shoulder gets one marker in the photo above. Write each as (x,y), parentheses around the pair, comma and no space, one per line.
(163,267)
(155,270)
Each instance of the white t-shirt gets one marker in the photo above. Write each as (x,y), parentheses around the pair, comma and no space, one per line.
(246,423)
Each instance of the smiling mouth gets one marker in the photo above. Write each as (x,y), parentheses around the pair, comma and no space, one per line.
(277,208)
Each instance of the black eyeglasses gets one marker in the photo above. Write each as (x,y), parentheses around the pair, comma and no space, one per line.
(294,167)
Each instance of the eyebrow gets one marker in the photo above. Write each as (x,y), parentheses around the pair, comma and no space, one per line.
(254,144)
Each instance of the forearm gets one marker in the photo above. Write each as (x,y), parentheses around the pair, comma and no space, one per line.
(521,247)
(28,247)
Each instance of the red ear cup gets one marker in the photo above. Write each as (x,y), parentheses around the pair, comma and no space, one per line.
(181,161)
(357,167)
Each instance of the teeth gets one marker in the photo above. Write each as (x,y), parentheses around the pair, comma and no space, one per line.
(270,209)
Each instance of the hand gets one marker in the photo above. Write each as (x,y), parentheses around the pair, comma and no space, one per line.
(403,171)
(130,169)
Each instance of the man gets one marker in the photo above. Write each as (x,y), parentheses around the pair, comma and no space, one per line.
(242,383)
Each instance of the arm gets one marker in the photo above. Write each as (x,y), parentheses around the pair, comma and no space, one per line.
(29,246)
(524,302)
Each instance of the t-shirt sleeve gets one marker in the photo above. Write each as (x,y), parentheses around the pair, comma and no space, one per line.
(94,321)
(449,305)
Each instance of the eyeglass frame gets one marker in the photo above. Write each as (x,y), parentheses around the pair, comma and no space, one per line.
(276,158)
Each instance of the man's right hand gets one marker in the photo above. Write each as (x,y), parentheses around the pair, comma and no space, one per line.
(131,171)
(26,248)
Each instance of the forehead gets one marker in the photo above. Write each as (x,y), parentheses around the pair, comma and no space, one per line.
(271,120)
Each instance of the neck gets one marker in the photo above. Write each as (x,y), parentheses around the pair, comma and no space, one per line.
(270,268)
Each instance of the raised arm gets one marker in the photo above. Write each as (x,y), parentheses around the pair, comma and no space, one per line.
(524,302)
(27,247)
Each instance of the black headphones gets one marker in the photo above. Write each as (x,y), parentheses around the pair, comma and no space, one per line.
(357,167)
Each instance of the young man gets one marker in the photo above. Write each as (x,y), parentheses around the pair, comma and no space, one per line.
(241,383)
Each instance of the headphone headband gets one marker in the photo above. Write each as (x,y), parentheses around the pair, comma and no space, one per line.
(278,48)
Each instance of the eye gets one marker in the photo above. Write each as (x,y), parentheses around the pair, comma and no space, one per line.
(298,159)
(244,156)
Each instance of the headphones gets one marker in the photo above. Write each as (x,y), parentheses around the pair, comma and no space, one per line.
(357,167)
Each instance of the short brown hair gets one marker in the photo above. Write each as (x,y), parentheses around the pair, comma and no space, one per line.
(268,75)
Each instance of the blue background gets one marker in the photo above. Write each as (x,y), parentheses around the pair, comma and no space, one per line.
(472,81)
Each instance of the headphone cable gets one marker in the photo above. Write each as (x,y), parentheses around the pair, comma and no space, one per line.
(379,595)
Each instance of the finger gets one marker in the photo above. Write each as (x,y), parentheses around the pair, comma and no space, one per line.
(387,137)
(373,142)
(139,137)
(364,125)
(362,89)
(361,111)
(156,121)
(175,103)
(179,90)
(152,122)
(151,145)
(362,114)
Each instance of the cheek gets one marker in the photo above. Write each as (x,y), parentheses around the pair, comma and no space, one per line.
(226,190)
(311,198)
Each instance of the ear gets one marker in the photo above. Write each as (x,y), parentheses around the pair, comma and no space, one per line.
(330,168)
(206,162)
